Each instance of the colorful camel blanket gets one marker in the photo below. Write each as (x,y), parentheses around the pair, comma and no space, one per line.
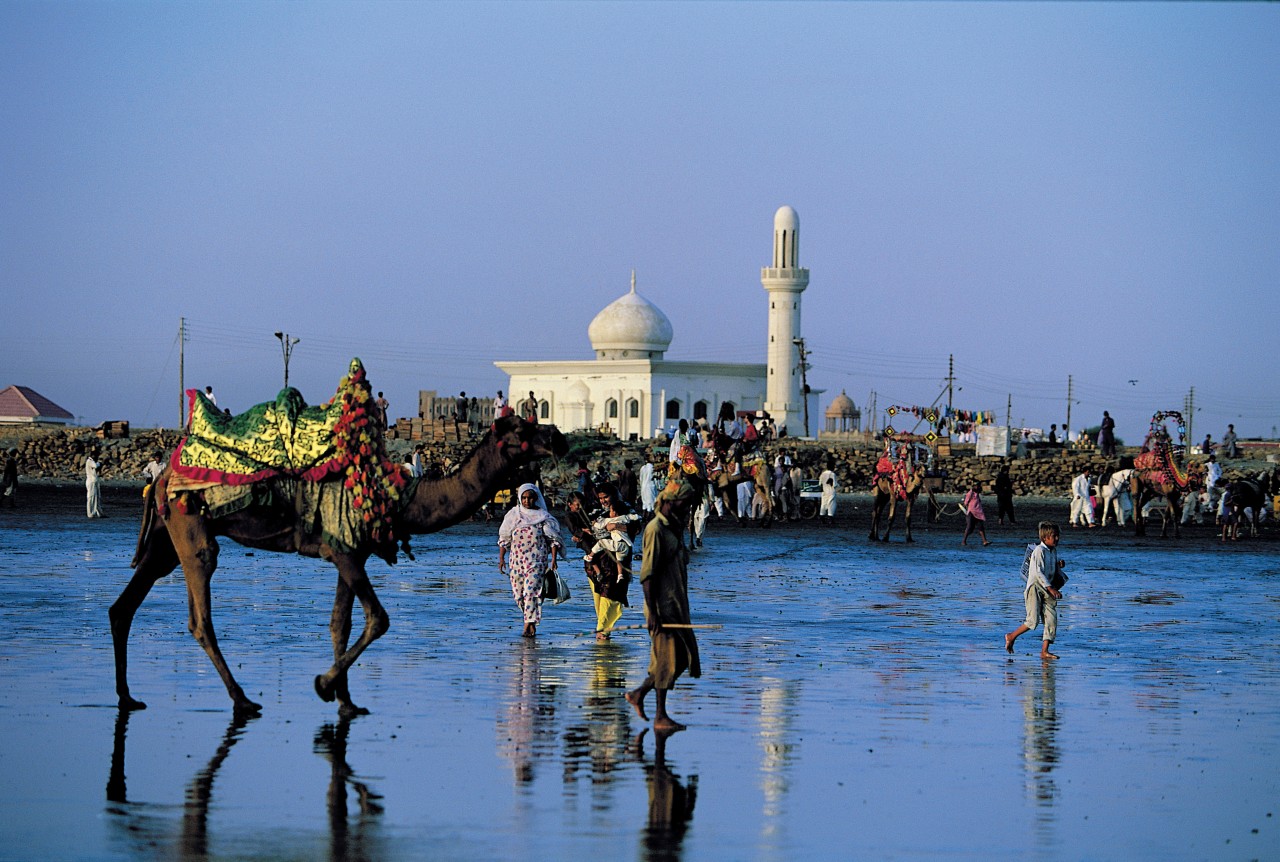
(1159,468)
(231,458)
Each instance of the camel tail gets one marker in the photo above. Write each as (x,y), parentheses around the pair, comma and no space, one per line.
(148,521)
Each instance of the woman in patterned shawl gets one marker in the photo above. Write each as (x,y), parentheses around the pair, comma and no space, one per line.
(532,537)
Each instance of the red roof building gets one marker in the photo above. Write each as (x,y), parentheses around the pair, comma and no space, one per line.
(22,404)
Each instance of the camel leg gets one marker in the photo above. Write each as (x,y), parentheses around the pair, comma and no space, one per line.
(1175,508)
(198,551)
(907,516)
(340,631)
(876,507)
(893,513)
(376,623)
(1140,498)
(156,559)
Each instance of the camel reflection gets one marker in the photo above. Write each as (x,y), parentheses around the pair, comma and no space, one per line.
(143,822)
(670,803)
(346,842)
(148,828)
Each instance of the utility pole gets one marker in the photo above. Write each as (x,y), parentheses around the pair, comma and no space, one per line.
(1191,412)
(804,380)
(1066,432)
(182,385)
(286,347)
(951,379)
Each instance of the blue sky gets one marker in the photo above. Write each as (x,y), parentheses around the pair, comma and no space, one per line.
(1042,191)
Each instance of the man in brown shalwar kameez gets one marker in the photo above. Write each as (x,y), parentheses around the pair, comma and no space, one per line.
(664,577)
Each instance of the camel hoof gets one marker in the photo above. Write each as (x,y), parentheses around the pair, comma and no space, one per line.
(247,708)
(350,710)
(128,704)
(324,690)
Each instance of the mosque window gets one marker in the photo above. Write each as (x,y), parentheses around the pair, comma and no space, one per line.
(673,409)
(544,410)
(611,408)
(700,410)
(633,408)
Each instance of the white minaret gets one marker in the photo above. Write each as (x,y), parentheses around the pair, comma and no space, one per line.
(785,281)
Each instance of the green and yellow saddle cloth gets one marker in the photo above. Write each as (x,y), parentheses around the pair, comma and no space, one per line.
(327,462)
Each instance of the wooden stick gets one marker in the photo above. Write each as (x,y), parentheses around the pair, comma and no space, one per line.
(665,626)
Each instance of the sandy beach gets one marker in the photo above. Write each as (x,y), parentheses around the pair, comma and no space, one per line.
(857,703)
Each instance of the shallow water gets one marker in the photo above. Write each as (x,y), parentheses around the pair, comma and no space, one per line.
(857,704)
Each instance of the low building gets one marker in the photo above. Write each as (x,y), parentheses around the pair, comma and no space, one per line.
(22,405)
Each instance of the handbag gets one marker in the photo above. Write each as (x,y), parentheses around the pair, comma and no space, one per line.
(554,587)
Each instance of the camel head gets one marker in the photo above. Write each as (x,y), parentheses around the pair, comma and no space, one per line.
(523,442)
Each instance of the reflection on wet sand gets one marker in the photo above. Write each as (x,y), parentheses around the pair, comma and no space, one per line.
(1040,751)
(146,829)
(346,842)
(671,802)
(143,823)
(777,711)
(597,744)
(526,726)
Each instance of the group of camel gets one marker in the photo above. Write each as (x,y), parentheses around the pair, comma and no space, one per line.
(175,535)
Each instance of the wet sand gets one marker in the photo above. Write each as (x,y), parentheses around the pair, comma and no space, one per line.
(858,703)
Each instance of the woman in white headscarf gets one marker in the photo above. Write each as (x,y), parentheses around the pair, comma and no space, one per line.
(532,537)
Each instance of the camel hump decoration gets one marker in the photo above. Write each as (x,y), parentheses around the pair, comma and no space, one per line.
(312,481)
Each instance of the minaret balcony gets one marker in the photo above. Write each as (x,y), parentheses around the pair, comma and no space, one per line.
(786,273)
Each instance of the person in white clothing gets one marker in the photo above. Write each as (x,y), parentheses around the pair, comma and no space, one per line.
(827,483)
(648,493)
(93,502)
(1039,595)
(746,490)
(1081,500)
(208,393)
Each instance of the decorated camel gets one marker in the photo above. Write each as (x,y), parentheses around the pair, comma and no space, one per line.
(1157,472)
(728,467)
(896,481)
(311,481)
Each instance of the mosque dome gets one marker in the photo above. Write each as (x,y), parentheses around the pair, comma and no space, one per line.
(841,406)
(786,218)
(630,327)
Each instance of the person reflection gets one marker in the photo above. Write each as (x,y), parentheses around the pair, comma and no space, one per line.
(594,746)
(344,842)
(670,802)
(1040,732)
(525,726)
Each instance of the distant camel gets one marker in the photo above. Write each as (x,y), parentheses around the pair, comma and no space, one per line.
(180,535)
(1156,473)
(1251,495)
(901,484)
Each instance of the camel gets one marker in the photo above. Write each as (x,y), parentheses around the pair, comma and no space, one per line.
(1156,475)
(1251,495)
(179,535)
(889,489)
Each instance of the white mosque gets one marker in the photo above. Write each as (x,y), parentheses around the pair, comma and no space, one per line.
(636,393)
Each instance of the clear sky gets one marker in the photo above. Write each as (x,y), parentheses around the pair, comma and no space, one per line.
(1041,190)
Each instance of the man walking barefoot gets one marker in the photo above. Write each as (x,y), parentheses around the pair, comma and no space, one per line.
(664,577)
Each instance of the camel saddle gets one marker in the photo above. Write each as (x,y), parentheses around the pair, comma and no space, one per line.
(284,437)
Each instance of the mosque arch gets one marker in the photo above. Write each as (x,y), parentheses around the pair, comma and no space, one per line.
(633,408)
(611,408)
(672,410)
(700,409)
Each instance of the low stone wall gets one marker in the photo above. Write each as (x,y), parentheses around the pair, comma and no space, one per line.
(58,455)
